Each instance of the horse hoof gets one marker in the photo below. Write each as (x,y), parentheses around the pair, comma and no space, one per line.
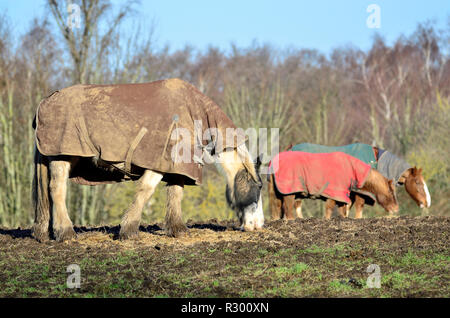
(129,231)
(40,234)
(64,234)
(177,231)
(259,227)
(128,235)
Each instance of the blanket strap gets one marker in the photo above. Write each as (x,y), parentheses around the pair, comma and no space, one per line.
(132,148)
(174,123)
(303,184)
(319,193)
(313,195)
(85,134)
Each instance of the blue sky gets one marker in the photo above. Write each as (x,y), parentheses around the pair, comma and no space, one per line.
(319,24)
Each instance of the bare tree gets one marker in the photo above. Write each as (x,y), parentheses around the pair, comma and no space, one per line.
(89,44)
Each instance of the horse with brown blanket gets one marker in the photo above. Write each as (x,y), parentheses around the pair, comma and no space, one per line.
(325,176)
(164,130)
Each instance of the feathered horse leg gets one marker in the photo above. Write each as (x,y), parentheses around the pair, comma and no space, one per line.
(129,227)
(174,223)
(59,174)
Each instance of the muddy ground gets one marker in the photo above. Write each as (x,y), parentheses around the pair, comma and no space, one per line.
(301,258)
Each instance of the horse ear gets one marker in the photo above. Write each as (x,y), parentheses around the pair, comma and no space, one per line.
(407,173)
(259,160)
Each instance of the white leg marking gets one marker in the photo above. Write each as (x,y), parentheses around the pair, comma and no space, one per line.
(425,188)
(298,212)
(259,217)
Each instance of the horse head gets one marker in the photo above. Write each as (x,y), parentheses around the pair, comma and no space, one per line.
(384,191)
(243,194)
(416,187)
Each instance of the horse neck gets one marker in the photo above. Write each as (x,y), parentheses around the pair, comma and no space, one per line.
(230,162)
(375,182)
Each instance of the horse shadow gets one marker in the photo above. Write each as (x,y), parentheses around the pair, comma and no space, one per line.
(17,233)
(154,229)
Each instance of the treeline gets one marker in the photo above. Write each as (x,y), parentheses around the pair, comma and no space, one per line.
(394,96)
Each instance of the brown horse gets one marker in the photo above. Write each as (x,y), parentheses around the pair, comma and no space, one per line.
(415,186)
(411,178)
(281,205)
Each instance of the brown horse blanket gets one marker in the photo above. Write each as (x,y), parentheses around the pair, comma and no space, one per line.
(131,127)
(330,175)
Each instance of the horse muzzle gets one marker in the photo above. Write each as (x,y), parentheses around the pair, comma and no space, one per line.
(394,210)
(253,217)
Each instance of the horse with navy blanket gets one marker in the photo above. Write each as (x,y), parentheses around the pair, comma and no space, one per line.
(327,176)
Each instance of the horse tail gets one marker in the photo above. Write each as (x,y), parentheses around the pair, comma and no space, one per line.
(41,197)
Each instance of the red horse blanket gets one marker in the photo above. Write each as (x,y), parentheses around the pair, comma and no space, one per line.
(330,175)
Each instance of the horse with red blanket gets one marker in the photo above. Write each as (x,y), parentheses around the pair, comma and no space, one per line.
(325,176)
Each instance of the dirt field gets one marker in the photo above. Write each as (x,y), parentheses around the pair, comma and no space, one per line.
(302,258)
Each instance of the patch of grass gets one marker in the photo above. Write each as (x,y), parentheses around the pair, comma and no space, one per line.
(262,252)
(315,249)
(300,267)
(399,280)
(337,287)
(295,269)
(248,294)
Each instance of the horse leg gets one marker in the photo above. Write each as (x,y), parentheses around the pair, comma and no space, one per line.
(343,210)
(298,208)
(274,201)
(175,226)
(62,225)
(329,206)
(288,206)
(358,204)
(129,227)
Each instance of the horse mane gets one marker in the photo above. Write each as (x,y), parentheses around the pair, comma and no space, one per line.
(247,161)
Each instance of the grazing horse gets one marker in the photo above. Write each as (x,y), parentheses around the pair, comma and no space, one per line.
(96,134)
(326,176)
(391,166)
